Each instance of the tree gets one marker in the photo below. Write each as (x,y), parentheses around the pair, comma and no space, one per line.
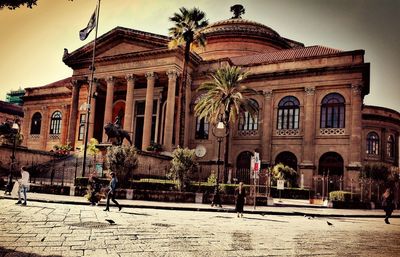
(225,97)
(185,32)
(122,160)
(281,171)
(183,162)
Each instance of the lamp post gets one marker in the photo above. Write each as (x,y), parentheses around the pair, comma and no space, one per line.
(14,131)
(219,131)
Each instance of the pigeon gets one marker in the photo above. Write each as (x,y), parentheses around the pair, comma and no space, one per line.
(330,224)
(42,239)
(110,221)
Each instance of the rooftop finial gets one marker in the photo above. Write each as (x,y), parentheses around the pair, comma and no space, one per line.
(237,10)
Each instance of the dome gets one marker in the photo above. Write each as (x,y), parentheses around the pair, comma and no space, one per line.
(238,37)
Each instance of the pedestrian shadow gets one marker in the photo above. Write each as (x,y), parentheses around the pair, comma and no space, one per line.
(135,213)
(9,252)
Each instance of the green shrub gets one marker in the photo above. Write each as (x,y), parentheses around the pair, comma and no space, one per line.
(212,179)
(182,164)
(342,196)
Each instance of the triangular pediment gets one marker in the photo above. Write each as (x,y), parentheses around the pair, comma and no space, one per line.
(124,48)
(116,42)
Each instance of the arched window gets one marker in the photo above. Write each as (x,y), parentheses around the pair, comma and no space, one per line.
(333,111)
(36,123)
(373,143)
(55,123)
(246,121)
(288,113)
(390,147)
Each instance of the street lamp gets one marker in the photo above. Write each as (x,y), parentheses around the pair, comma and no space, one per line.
(14,131)
(219,131)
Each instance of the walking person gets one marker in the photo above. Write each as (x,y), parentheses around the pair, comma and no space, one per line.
(112,191)
(23,185)
(388,204)
(240,196)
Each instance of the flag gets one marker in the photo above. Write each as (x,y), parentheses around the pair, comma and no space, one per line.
(84,33)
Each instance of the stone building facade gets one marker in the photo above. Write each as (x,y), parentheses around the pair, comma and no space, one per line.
(311,114)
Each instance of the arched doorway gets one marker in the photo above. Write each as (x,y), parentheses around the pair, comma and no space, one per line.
(288,159)
(331,169)
(243,162)
(330,163)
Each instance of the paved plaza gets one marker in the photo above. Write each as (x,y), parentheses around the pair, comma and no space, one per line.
(51,229)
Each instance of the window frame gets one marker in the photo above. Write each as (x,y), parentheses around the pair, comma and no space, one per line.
(288,114)
(333,111)
(56,123)
(36,129)
(373,143)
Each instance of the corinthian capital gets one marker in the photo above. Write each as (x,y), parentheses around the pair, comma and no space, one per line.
(267,94)
(151,75)
(356,89)
(130,77)
(172,74)
(309,90)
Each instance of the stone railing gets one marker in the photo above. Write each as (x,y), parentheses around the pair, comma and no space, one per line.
(332,131)
(247,133)
(288,132)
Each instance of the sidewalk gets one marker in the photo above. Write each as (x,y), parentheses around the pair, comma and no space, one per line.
(292,207)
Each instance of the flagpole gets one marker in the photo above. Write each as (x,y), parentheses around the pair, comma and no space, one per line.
(89,97)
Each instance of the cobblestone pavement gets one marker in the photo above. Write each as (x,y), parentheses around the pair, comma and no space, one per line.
(46,229)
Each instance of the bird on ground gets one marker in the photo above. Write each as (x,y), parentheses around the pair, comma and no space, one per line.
(329,224)
(111,222)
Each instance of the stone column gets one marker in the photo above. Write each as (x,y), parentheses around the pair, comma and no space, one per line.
(73,116)
(355,138)
(267,122)
(307,165)
(109,103)
(188,97)
(129,103)
(92,111)
(148,111)
(170,111)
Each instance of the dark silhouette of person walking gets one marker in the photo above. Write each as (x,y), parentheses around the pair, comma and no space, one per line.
(111,193)
(240,195)
(388,204)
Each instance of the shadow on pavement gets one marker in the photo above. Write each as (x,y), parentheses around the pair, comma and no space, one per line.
(11,253)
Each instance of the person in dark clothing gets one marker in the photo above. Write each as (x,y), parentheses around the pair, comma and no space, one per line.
(95,190)
(240,195)
(111,193)
(388,204)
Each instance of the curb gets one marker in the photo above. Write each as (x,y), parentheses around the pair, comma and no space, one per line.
(221,210)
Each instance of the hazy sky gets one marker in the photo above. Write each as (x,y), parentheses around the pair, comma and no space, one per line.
(32,40)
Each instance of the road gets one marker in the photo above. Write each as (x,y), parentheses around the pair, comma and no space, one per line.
(45,229)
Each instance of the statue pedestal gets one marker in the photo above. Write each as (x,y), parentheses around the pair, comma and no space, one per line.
(103,151)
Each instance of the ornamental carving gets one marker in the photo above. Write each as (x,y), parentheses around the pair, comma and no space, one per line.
(151,75)
(288,132)
(130,78)
(110,80)
(309,90)
(332,131)
(267,94)
(172,74)
(356,88)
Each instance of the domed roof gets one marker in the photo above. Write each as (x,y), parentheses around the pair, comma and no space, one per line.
(238,37)
(239,25)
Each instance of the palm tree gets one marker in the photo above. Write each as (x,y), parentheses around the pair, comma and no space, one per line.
(185,32)
(224,97)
